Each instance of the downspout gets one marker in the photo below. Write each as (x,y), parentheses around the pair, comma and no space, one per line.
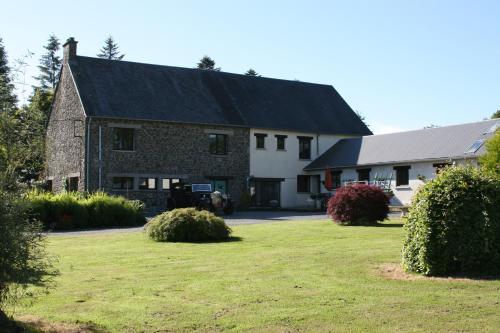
(317,144)
(88,156)
(100,156)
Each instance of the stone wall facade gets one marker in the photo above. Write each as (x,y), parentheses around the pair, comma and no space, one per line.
(65,140)
(166,150)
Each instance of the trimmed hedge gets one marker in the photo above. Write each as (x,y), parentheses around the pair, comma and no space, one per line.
(453,225)
(74,210)
(187,225)
(358,204)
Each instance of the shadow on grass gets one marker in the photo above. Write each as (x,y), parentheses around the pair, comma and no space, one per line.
(377,225)
(394,271)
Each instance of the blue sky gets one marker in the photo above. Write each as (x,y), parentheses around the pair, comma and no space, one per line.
(402,64)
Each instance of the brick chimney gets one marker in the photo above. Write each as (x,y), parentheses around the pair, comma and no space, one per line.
(69,49)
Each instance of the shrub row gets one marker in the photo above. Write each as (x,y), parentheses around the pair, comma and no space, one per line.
(73,210)
(187,225)
(453,225)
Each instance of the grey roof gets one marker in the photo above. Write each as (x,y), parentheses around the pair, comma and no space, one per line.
(121,89)
(439,143)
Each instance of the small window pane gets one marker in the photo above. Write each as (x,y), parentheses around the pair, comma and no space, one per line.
(123,183)
(147,183)
(165,184)
(305,148)
(280,142)
(303,184)
(123,139)
(217,144)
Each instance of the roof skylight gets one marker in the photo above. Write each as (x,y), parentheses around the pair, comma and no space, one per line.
(475,146)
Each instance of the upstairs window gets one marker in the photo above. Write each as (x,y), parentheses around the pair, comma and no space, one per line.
(402,175)
(123,139)
(305,147)
(303,184)
(123,183)
(280,142)
(260,140)
(218,144)
(148,184)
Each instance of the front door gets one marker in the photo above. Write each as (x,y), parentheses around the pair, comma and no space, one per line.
(220,186)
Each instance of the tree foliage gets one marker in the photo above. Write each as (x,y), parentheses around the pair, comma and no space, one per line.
(110,50)
(207,63)
(453,225)
(496,114)
(7,97)
(251,72)
(358,204)
(50,64)
(490,161)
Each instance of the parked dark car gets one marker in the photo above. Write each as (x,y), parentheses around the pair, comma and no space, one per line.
(200,196)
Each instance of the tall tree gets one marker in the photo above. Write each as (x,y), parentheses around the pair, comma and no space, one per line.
(7,97)
(251,72)
(110,50)
(490,161)
(207,63)
(50,64)
(496,114)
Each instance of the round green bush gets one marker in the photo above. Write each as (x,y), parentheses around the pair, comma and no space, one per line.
(187,225)
(453,225)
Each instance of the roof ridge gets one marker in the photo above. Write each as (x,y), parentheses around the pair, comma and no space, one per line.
(204,70)
(432,129)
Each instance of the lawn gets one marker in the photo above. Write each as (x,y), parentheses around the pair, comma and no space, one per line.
(307,276)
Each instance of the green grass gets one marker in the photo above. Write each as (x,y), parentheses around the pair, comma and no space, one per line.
(310,276)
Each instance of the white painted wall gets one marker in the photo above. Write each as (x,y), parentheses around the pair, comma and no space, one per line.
(273,163)
(402,194)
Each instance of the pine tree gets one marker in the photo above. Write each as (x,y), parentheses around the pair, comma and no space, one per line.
(110,50)
(207,63)
(496,114)
(7,97)
(50,64)
(252,72)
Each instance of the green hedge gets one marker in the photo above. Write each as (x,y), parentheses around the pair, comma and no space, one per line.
(74,210)
(187,225)
(453,225)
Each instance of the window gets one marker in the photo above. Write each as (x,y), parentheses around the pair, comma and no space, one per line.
(280,142)
(305,147)
(336,182)
(49,185)
(148,184)
(261,140)
(123,183)
(402,175)
(123,139)
(440,166)
(363,175)
(72,184)
(303,184)
(78,128)
(218,144)
(167,182)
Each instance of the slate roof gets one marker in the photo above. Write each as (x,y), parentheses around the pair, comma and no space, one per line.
(427,144)
(128,90)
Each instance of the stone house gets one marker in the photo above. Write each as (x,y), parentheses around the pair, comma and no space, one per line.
(134,129)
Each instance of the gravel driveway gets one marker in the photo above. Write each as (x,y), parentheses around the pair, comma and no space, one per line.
(238,218)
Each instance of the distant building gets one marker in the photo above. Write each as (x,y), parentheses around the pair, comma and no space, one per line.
(407,159)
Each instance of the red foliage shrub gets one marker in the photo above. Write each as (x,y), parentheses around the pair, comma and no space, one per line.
(358,204)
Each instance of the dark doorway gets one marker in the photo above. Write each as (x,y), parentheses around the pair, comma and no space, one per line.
(266,192)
